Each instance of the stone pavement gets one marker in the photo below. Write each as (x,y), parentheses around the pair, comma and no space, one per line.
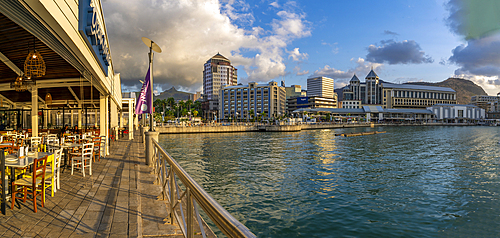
(118,200)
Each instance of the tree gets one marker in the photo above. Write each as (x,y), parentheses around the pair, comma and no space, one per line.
(171,103)
(252,113)
(195,113)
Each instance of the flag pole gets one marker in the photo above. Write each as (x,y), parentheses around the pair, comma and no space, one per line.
(151,128)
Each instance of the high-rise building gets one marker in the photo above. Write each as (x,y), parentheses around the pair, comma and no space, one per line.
(217,74)
(320,86)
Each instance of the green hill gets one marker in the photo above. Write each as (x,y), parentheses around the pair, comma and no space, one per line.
(173,93)
(465,88)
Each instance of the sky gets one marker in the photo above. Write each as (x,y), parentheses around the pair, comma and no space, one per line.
(402,40)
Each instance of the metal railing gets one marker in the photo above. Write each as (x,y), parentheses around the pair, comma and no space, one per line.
(184,204)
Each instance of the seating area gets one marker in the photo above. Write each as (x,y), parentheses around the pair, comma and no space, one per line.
(33,165)
(118,200)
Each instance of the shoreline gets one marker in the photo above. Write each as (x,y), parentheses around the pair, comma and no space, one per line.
(251,127)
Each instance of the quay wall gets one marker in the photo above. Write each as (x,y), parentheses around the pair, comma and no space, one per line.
(248,127)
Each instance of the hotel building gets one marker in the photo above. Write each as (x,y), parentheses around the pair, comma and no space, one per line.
(217,74)
(238,101)
(397,96)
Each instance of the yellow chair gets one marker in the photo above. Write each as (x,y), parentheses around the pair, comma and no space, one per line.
(53,172)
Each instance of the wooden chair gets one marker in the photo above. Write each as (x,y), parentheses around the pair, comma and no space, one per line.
(35,142)
(54,170)
(84,159)
(32,183)
(103,146)
(97,148)
(18,144)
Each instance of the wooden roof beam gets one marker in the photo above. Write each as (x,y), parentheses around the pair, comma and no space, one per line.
(74,95)
(11,65)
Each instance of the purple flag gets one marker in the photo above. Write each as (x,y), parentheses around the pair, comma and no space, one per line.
(144,103)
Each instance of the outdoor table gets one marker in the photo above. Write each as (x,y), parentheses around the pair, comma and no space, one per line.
(14,162)
(66,147)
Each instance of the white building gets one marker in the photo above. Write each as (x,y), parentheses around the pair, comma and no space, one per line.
(351,104)
(320,86)
(457,112)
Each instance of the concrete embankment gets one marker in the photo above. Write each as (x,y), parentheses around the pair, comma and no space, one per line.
(281,128)
(249,128)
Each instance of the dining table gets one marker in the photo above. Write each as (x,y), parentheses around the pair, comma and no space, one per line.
(65,147)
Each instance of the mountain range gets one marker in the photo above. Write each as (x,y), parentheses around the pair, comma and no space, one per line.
(173,93)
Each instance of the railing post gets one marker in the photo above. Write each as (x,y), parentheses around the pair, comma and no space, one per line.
(189,215)
(150,135)
(172,196)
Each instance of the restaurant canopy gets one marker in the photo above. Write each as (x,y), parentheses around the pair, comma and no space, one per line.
(72,40)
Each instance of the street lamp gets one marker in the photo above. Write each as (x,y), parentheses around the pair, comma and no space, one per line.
(237,116)
(152,46)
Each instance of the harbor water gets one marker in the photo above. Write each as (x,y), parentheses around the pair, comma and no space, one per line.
(409,182)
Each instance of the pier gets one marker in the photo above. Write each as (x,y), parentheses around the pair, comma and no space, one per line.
(118,200)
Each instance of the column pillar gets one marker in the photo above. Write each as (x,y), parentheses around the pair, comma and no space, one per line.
(71,120)
(80,116)
(34,111)
(103,120)
(130,120)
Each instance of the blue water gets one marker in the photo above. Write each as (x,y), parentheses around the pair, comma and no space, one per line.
(408,182)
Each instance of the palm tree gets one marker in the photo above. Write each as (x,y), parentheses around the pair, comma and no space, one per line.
(171,103)
(252,113)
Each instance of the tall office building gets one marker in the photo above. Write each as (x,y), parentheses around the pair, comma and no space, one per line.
(320,86)
(217,73)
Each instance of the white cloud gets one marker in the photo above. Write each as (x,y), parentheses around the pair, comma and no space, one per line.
(362,68)
(275,4)
(296,55)
(190,32)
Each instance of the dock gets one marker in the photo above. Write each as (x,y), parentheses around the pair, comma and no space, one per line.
(118,200)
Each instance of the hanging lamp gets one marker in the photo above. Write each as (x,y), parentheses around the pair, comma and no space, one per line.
(34,65)
(48,99)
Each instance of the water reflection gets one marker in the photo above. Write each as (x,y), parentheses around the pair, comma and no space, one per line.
(411,181)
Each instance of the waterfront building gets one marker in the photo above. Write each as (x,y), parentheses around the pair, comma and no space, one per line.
(295,103)
(238,101)
(457,112)
(217,74)
(75,82)
(373,113)
(396,96)
(485,102)
(320,87)
(295,91)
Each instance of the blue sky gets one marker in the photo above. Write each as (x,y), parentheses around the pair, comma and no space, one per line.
(403,40)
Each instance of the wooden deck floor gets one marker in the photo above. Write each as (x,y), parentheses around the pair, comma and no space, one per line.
(118,200)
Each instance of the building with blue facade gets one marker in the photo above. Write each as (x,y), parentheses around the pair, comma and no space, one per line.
(238,102)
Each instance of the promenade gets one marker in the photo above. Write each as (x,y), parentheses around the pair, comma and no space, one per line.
(118,200)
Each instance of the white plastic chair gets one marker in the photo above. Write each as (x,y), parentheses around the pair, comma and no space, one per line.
(84,160)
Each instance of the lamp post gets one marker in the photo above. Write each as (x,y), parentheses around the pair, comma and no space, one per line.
(152,46)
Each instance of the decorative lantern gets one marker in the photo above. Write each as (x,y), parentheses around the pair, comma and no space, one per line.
(34,66)
(48,99)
